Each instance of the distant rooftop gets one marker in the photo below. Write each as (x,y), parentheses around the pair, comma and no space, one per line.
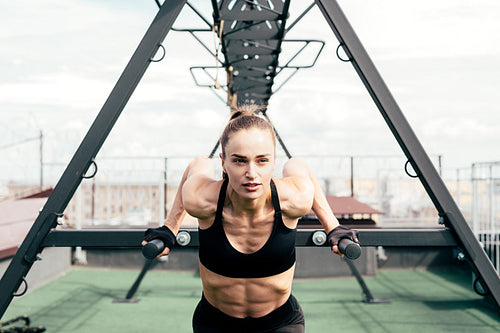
(349,206)
(15,221)
(342,206)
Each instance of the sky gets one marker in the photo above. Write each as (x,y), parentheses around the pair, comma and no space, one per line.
(60,59)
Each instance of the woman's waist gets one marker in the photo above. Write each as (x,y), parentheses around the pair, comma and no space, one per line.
(246,297)
(283,315)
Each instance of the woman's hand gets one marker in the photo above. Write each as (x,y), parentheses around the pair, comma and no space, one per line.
(162,233)
(339,233)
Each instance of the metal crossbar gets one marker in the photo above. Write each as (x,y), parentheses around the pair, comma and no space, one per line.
(439,237)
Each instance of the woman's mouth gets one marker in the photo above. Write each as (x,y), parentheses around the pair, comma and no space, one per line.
(251,187)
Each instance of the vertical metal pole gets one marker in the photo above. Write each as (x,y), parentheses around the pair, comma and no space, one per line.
(495,234)
(352,176)
(475,201)
(409,143)
(491,213)
(161,199)
(92,204)
(165,203)
(440,165)
(496,237)
(78,255)
(109,201)
(90,146)
(489,235)
(41,160)
(379,185)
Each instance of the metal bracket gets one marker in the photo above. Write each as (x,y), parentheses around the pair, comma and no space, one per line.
(94,172)
(160,47)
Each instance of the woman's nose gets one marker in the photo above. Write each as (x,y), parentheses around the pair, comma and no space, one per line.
(251,171)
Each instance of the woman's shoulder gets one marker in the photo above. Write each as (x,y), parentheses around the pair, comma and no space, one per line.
(200,196)
(296,195)
(291,186)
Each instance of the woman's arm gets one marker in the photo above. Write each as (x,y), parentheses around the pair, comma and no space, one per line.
(296,167)
(199,191)
(190,196)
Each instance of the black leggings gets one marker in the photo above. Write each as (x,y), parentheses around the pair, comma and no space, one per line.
(288,318)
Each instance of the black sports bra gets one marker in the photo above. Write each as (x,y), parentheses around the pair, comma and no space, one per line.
(276,256)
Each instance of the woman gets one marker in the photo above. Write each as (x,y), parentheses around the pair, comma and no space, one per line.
(247,227)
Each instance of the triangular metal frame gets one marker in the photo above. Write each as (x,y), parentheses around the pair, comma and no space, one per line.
(449,212)
(44,225)
(83,158)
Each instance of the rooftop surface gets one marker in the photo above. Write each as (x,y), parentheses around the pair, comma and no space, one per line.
(421,301)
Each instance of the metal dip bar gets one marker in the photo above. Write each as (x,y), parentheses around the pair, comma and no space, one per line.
(441,237)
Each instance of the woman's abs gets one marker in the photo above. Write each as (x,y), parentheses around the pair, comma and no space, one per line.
(246,297)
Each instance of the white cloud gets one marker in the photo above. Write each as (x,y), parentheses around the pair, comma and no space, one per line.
(395,29)
(52,17)
(60,89)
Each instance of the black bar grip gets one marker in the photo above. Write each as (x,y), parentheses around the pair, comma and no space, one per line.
(153,248)
(350,249)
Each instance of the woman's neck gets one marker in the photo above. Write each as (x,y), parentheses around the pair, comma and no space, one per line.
(248,207)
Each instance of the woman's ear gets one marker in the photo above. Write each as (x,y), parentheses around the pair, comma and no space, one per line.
(222,162)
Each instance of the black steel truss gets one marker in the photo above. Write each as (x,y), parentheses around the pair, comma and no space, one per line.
(251,34)
(272,13)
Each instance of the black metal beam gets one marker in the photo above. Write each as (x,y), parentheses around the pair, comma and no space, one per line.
(411,146)
(290,26)
(90,146)
(278,137)
(440,237)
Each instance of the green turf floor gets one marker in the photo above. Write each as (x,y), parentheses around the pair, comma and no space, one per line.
(421,301)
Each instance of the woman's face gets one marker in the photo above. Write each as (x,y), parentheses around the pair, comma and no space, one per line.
(249,162)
